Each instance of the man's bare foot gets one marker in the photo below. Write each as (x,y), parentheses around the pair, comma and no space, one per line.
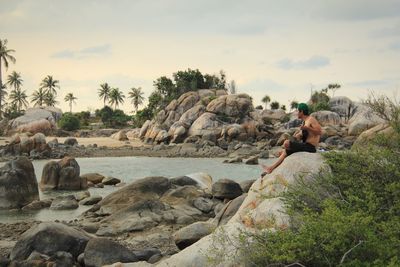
(267,169)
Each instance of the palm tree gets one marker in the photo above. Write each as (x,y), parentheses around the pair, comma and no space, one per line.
(50,100)
(18,98)
(14,80)
(50,85)
(137,97)
(104,92)
(116,97)
(71,99)
(5,56)
(38,97)
(266,99)
(293,104)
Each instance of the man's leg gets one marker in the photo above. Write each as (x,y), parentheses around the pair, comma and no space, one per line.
(276,164)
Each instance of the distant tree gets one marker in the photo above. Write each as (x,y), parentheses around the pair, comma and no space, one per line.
(50,99)
(104,92)
(18,98)
(5,57)
(266,99)
(232,87)
(283,107)
(334,87)
(116,97)
(259,107)
(136,96)
(71,99)
(293,104)
(188,80)
(275,105)
(14,80)
(50,85)
(155,101)
(38,97)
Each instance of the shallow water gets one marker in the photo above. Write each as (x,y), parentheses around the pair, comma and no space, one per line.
(129,169)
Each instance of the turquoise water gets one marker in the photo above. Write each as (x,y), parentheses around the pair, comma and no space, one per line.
(129,169)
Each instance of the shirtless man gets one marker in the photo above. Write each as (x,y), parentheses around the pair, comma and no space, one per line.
(309,134)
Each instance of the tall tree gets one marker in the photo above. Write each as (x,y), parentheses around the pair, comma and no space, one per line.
(3,93)
(116,97)
(5,57)
(71,99)
(104,92)
(14,80)
(275,105)
(18,98)
(50,85)
(266,99)
(39,97)
(50,99)
(136,95)
(334,87)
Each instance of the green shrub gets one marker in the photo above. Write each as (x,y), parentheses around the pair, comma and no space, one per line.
(350,217)
(69,122)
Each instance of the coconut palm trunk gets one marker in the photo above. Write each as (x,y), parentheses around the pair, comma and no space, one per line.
(1,92)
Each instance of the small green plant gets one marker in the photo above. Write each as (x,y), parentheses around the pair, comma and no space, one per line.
(69,122)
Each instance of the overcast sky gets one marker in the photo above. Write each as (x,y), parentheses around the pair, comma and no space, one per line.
(278,48)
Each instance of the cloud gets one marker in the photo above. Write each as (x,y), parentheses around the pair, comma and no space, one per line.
(357,10)
(370,83)
(386,32)
(395,46)
(85,52)
(313,62)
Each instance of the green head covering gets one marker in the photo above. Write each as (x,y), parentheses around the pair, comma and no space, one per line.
(303,107)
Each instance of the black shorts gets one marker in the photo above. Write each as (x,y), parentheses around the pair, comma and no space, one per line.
(300,147)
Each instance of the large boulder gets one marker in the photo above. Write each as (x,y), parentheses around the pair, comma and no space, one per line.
(341,105)
(206,123)
(238,105)
(102,251)
(383,129)
(226,188)
(325,117)
(62,175)
(36,120)
(143,189)
(120,136)
(272,115)
(255,212)
(192,233)
(18,185)
(191,115)
(48,238)
(363,118)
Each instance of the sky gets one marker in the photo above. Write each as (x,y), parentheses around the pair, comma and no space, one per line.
(284,49)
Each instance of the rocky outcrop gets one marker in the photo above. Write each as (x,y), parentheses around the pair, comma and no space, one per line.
(255,212)
(18,185)
(62,175)
(363,118)
(325,117)
(196,114)
(36,120)
(342,105)
(21,144)
(380,129)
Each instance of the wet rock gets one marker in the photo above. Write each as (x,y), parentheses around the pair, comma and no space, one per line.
(183,180)
(233,160)
(64,203)
(110,180)
(81,195)
(18,185)
(95,178)
(251,161)
(91,200)
(38,205)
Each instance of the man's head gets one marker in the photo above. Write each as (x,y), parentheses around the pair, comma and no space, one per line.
(303,109)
